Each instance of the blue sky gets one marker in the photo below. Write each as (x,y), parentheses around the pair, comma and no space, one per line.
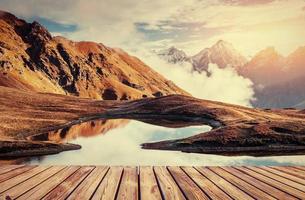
(53,26)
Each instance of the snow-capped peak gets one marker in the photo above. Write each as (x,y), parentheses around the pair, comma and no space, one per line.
(173,55)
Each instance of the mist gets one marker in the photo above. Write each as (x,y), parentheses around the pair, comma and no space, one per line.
(223,85)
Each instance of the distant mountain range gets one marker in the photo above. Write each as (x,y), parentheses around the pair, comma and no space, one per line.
(222,53)
(278,81)
(31,59)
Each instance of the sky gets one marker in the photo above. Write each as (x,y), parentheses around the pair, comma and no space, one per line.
(140,26)
(191,25)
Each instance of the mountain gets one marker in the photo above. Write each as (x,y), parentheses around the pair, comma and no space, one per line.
(222,53)
(262,65)
(31,59)
(173,55)
(296,62)
(278,80)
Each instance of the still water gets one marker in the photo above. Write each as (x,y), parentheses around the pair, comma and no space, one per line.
(118,142)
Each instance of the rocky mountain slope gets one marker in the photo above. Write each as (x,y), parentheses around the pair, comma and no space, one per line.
(235,129)
(31,59)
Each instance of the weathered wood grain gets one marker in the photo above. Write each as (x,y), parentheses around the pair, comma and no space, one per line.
(285,175)
(44,188)
(107,189)
(226,186)
(274,183)
(259,184)
(205,184)
(291,170)
(168,187)
(15,172)
(241,184)
(21,177)
(23,187)
(148,184)
(63,190)
(279,178)
(189,188)
(86,189)
(7,168)
(129,184)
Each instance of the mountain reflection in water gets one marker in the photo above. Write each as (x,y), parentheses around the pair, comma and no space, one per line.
(85,129)
(118,142)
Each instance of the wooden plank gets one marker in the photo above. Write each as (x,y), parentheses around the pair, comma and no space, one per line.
(168,187)
(129,184)
(205,184)
(60,182)
(86,189)
(279,178)
(15,172)
(7,168)
(63,190)
(45,187)
(108,187)
(290,190)
(189,188)
(148,184)
(23,187)
(226,186)
(259,184)
(300,168)
(291,170)
(284,175)
(5,185)
(241,184)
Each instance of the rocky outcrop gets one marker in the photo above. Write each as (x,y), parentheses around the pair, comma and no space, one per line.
(33,60)
(234,128)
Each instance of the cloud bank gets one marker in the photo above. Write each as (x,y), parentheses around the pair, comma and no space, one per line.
(223,85)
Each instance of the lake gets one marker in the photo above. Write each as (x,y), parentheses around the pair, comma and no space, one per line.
(118,142)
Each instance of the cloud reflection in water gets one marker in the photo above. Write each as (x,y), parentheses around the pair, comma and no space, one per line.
(121,146)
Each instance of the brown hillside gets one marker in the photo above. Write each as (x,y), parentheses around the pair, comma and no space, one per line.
(31,59)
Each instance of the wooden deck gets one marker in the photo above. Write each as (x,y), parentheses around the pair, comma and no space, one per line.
(102,182)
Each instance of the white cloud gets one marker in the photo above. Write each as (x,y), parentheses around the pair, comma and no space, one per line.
(109,21)
(222,85)
(113,22)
